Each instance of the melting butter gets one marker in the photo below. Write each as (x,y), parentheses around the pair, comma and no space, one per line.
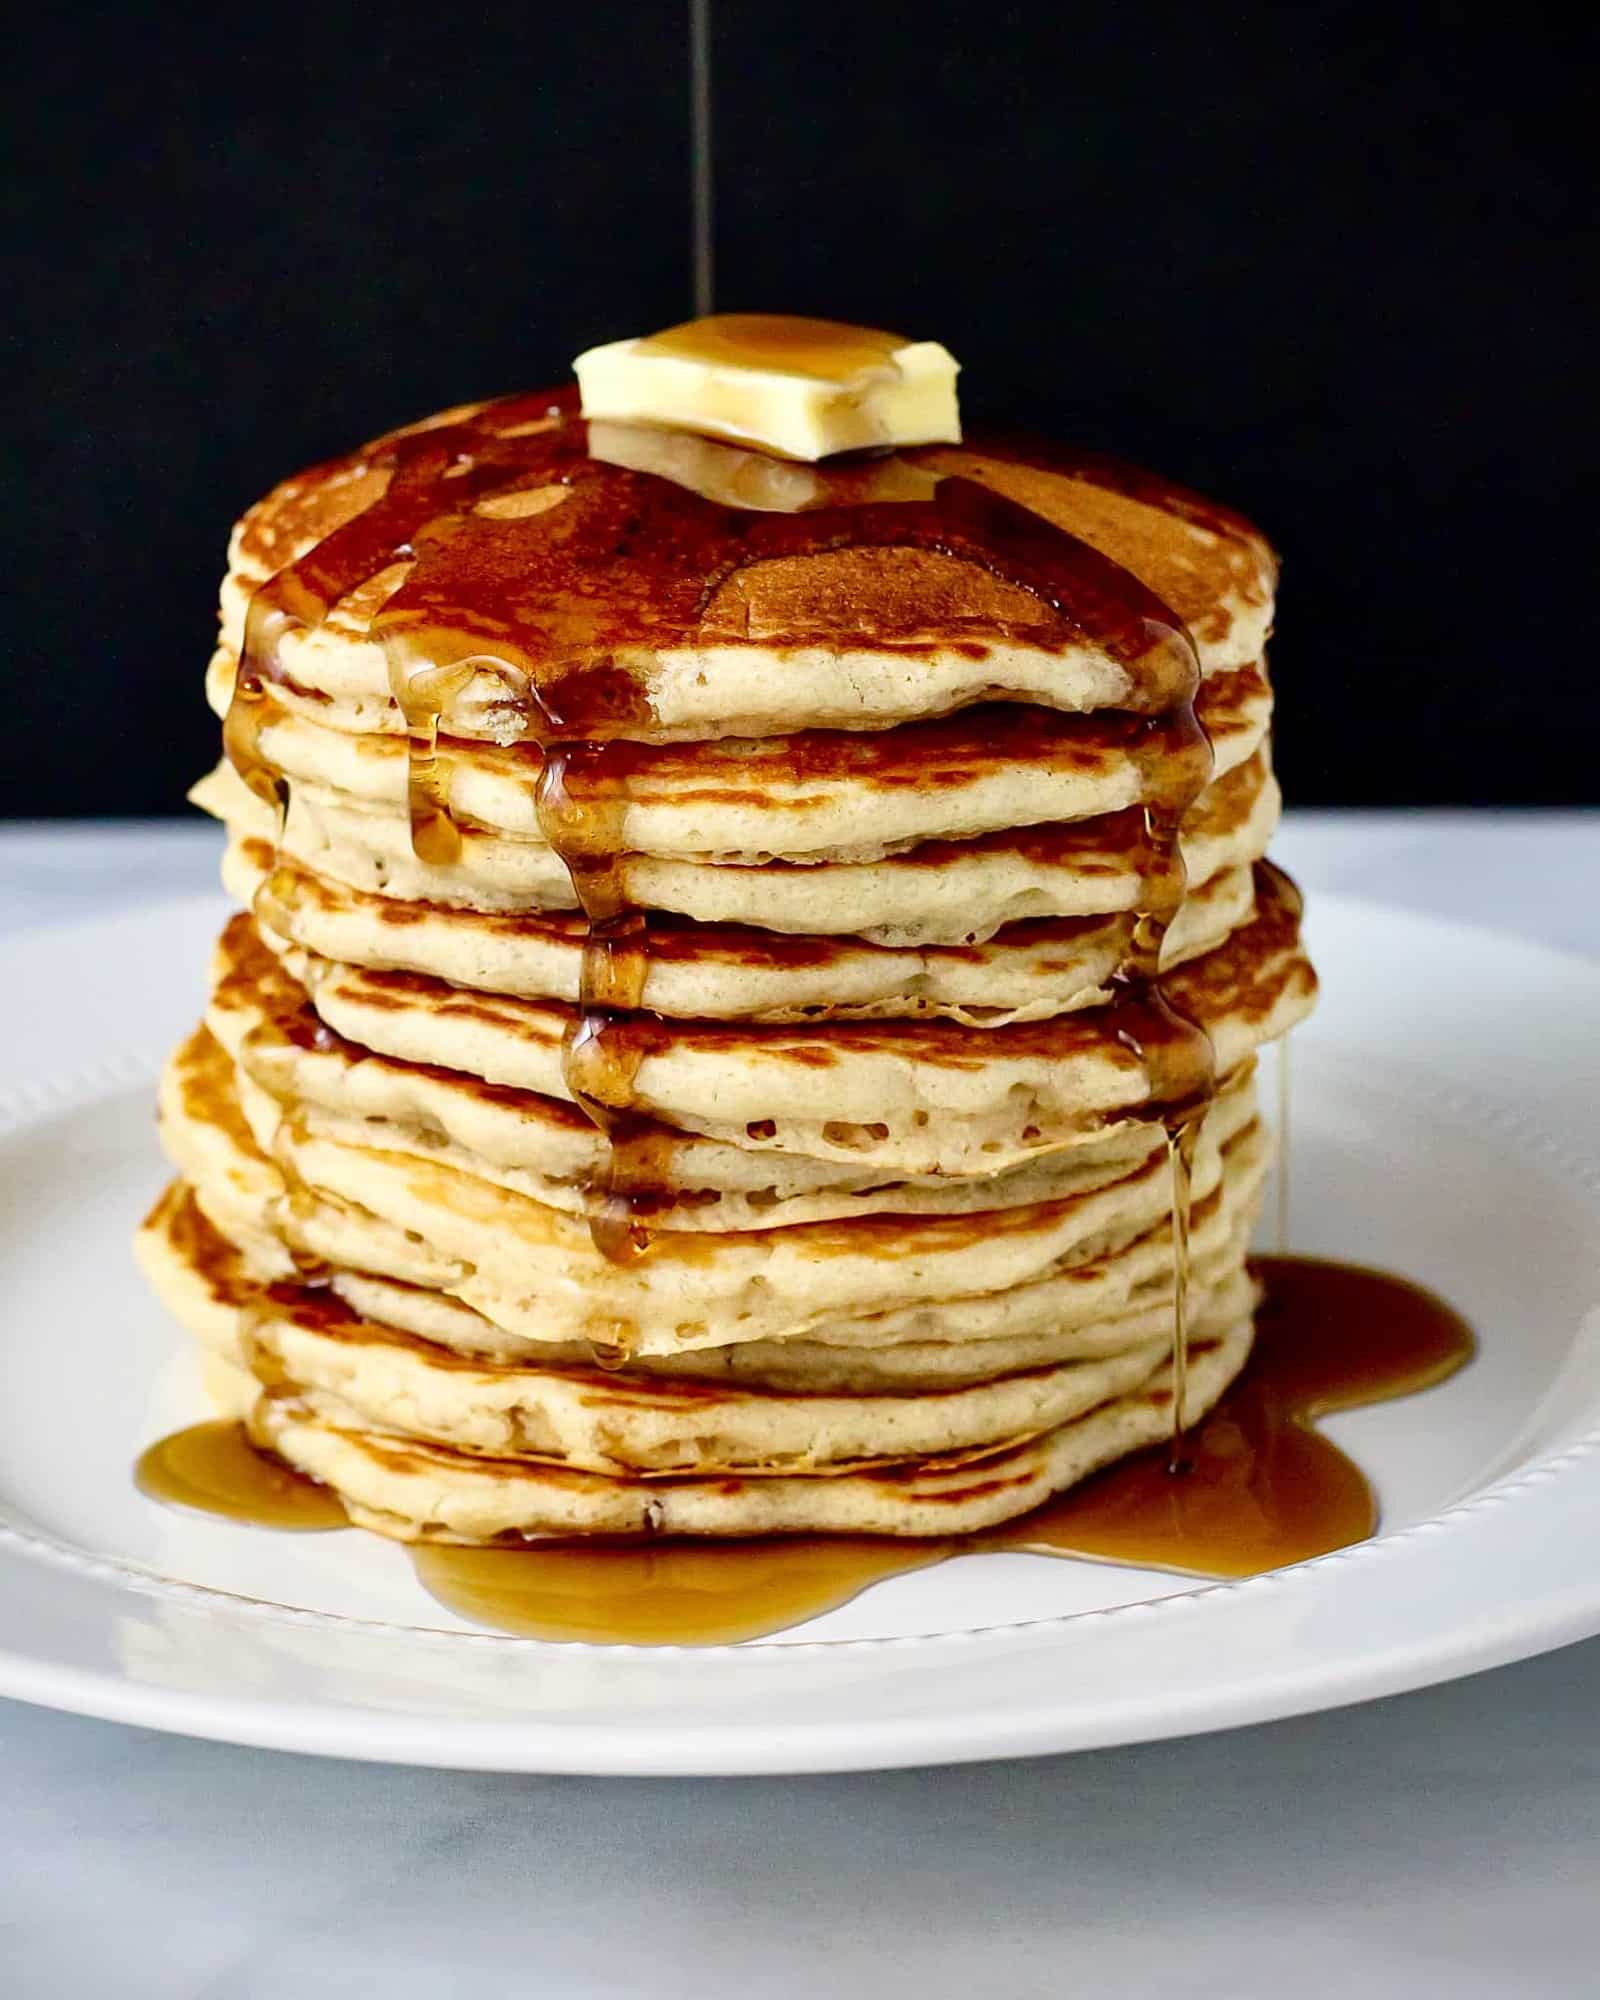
(798,388)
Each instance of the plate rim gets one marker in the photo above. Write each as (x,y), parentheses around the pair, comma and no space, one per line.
(768,1746)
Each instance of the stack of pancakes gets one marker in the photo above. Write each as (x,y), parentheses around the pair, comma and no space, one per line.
(739,958)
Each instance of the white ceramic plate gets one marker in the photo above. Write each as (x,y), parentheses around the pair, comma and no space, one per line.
(1443,1101)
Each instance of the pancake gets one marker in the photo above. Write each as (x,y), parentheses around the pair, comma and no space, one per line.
(537,1275)
(537,1458)
(1078,1308)
(535,1272)
(948,1098)
(368,1375)
(745,624)
(545,1148)
(725,972)
(939,892)
(1089,1310)
(426,1221)
(846,795)
(1026,971)
(425,1492)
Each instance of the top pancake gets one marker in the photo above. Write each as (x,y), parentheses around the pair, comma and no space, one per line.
(641,584)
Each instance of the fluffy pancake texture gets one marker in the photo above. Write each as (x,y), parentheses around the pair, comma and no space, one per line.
(728,949)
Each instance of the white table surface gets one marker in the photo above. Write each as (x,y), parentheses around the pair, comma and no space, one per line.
(1444,1843)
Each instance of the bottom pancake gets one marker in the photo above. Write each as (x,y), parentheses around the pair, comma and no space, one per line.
(416,1487)
(420,1492)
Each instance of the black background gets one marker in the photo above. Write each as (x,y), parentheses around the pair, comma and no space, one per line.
(1327,262)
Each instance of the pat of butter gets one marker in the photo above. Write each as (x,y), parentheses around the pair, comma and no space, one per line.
(799,388)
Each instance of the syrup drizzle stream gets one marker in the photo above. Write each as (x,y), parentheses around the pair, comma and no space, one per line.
(1182,1139)
(702,185)
(1174,1051)
(582,804)
(1281,1189)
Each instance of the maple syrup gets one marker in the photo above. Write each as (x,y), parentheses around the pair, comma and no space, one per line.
(1183,1136)
(213,1468)
(1262,1487)
(1281,1165)
(679,1592)
(424,695)
(582,803)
